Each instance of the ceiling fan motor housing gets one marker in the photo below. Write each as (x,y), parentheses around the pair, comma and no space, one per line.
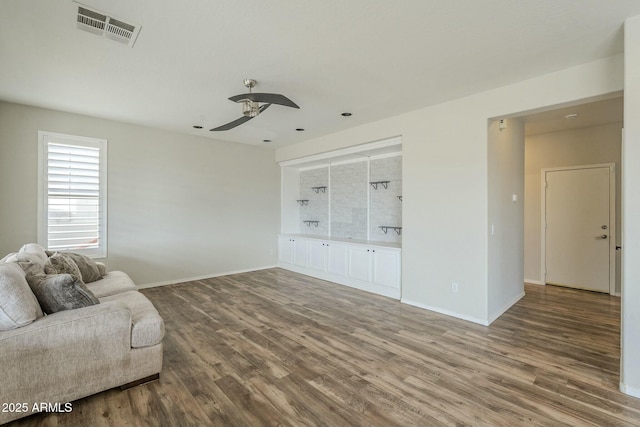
(249,83)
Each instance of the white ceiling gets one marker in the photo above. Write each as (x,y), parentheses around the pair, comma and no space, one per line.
(374,58)
(589,114)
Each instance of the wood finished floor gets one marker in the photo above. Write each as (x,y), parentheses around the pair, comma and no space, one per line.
(274,348)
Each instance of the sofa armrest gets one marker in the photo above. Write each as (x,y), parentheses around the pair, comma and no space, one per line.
(56,354)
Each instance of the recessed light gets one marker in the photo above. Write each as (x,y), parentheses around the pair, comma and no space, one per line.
(571,116)
(345,114)
(300,129)
(197,127)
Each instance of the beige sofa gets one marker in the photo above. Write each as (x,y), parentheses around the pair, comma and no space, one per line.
(60,357)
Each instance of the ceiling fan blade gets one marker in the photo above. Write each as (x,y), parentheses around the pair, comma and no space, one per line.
(269,98)
(232,124)
(238,122)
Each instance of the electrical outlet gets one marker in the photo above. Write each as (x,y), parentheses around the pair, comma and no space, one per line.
(454,287)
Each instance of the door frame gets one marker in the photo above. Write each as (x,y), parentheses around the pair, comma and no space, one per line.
(612,219)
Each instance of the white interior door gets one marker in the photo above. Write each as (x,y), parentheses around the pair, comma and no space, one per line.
(578,228)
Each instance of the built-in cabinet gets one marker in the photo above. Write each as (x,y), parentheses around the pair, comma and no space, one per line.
(342,216)
(370,267)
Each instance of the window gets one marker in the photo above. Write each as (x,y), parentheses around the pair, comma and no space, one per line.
(72,190)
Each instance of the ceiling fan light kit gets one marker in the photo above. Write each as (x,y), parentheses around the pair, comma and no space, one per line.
(253,104)
(250,108)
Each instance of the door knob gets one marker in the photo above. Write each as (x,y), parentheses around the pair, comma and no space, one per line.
(604,236)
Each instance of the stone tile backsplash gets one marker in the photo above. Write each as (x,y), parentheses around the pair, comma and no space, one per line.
(349,200)
(386,207)
(357,209)
(317,208)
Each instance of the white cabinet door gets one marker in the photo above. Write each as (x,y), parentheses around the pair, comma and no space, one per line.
(300,252)
(371,268)
(285,249)
(318,255)
(337,259)
(359,264)
(386,267)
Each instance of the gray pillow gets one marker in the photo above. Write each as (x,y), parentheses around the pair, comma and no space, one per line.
(30,266)
(58,292)
(102,269)
(59,263)
(89,269)
(18,305)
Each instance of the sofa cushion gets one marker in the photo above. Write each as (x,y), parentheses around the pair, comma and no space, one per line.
(89,271)
(147,325)
(18,305)
(114,282)
(58,292)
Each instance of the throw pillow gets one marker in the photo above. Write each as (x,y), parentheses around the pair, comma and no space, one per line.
(88,268)
(35,249)
(58,292)
(30,266)
(59,263)
(18,305)
(102,268)
(28,257)
(12,257)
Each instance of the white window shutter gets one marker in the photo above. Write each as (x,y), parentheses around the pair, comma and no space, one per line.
(74,194)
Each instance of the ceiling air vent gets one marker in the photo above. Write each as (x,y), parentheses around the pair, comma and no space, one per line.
(107,26)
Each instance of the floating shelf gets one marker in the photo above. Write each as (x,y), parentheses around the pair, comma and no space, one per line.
(399,198)
(386,228)
(375,184)
(309,223)
(319,189)
(303,202)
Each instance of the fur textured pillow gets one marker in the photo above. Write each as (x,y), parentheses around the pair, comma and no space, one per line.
(60,263)
(89,269)
(102,269)
(58,292)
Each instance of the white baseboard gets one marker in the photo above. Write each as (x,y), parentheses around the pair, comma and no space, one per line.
(446,312)
(533,282)
(464,316)
(506,307)
(208,276)
(631,391)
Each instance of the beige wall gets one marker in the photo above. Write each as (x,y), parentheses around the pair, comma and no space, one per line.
(178,206)
(445,208)
(630,368)
(505,169)
(585,146)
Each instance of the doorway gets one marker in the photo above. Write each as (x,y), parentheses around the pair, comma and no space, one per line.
(578,227)
(569,137)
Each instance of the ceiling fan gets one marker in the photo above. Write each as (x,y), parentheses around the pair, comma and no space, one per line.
(251,104)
